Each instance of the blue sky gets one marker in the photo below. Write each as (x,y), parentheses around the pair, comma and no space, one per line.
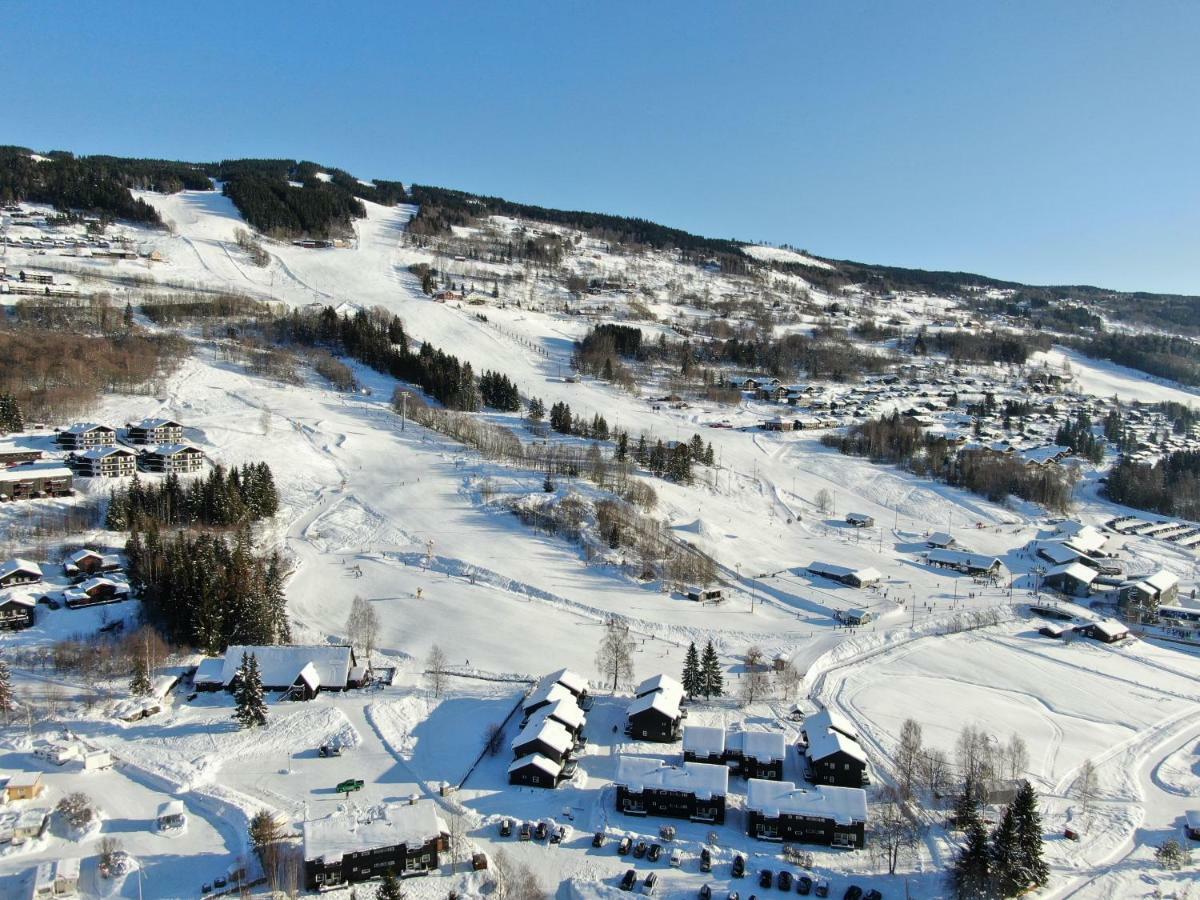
(1049,142)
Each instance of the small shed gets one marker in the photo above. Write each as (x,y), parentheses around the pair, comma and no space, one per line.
(24,786)
(860,520)
(704,594)
(95,760)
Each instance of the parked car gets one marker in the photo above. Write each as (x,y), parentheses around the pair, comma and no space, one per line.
(677,858)
(526,832)
(666,832)
(639,849)
(785,880)
(654,853)
(705,892)
(327,750)
(557,834)
(804,885)
(765,878)
(598,839)
(506,828)
(705,860)
(872,894)
(587,702)
(821,889)
(732,895)
(541,831)
(650,883)
(854,892)
(629,880)
(739,866)
(625,845)
(350,784)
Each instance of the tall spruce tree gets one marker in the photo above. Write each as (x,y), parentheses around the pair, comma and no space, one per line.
(1006,852)
(971,876)
(693,683)
(1031,864)
(251,709)
(139,685)
(390,888)
(712,681)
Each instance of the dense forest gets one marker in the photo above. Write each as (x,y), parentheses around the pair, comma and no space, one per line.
(993,475)
(1170,487)
(219,500)
(1164,356)
(206,591)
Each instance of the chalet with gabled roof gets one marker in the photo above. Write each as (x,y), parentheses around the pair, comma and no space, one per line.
(779,811)
(19,571)
(103,462)
(17,612)
(84,435)
(154,431)
(693,791)
(178,459)
(402,838)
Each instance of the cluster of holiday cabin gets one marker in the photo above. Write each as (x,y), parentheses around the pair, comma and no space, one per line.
(656,713)
(94,452)
(16,610)
(748,754)
(835,757)
(857,578)
(399,838)
(779,811)
(692,791)
(551,731)
(86,562)
(293,671)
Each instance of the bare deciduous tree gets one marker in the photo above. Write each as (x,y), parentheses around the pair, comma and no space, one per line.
(824,502)
(435,670)
(1016,757)
(1085,787)
(614,657)
(362,626)
(787,680)
(935,770)
(893,833)
(908,757)
(494,740)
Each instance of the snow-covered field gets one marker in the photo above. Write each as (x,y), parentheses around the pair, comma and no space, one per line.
(397,516)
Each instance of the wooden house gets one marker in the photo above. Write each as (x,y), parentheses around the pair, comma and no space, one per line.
(565,712)
(535,770)
(84,435)
(95,592)
(1143,597)
(12,455)
(549,739)
(1073,579)
(85,561)
(19,571)
(860,520)
(834,758)
(296,671)
(693,791)
(572,681)
(103,462)
(655,713)
(857,578)
(779,811)
(178,459)
(17,612)
(962,561)
(36,480)
(24,786)
(704,594)
(756,754)
(401,838)
(154,431)
(1108,631)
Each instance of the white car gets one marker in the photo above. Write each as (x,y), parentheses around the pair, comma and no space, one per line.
(676,858)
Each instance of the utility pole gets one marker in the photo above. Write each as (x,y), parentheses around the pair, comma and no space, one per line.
(403,408)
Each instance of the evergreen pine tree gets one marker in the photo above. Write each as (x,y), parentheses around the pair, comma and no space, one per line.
(713,682)
(1005,857)
(966,807)
(390,888)
(1032,867)
(7,703)
(139,686)
(692,682)
(251,709)
(971,875)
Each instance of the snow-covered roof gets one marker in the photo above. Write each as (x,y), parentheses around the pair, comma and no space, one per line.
(572,681)
(658,683)
(831,741)
(563,711)
(24,780)
(827,718)
(704,780)
(764,746)
(550,733)
(12,566)
(280,666)
(310,677)
(547,765)
(171,808)
(1059,552)
(547,692)
(172,450)
(1087,537)
(84,553)
(412,825)
(1042,455)
(1109,628)
(1075,570)
(1162,580)
(104,452)
(838,573)
(665,702)
(19,599)
(151,424)
(209,671)
(961,558)
(775,798)
(703,740)
(940,539)
(85,427)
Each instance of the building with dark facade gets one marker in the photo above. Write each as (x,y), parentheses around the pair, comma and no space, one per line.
(405,839)
(779,811)
(650,787)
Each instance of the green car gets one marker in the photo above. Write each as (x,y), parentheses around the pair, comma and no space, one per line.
(350,784)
